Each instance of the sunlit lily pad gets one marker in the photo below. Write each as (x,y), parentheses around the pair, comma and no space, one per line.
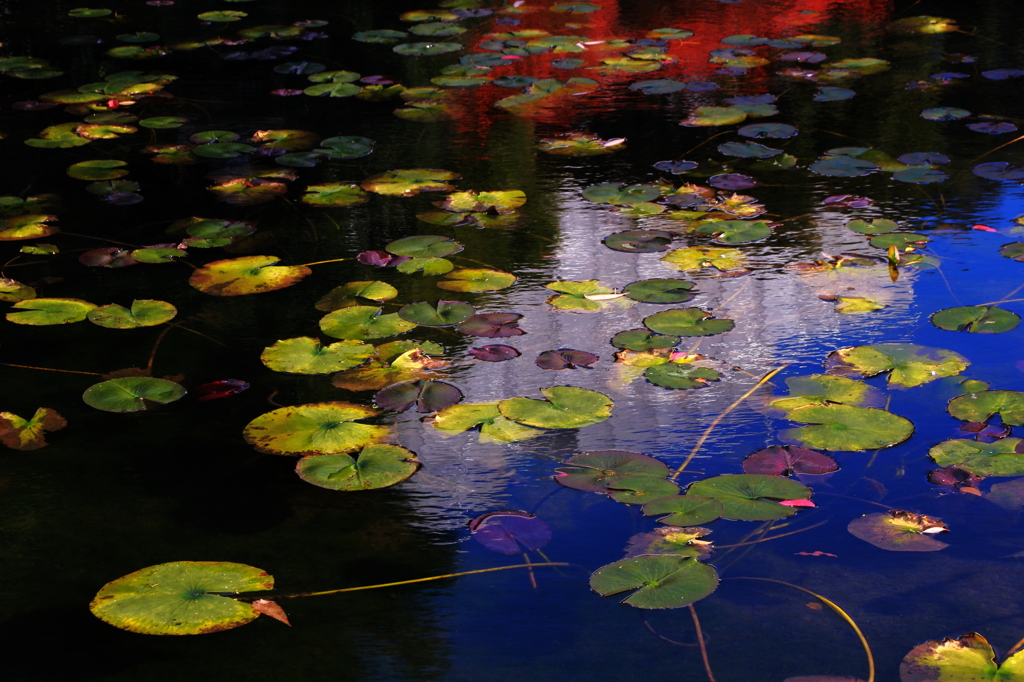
(580,297)
(143,313)
(305,355)
(181,598)
(715,116)
(901,240)
(565,407)
(687,322)
(899,531)
(394,362)
(349,294)
(580,145)
(444,314)
(1004,457)
(376,466)
(751,497)
(876,226)
(983,405)
(844,427)
(642,340)
(222,15)
(363,323)
(695,258)
(246,275)
(735,231)
(474,280)
(597,471)
(409,183)
(685,510)
(28,434)
(98,169)
(129,394)
(922,25)
(248,191)
(46,311)
(494,428)
(12,291)
(315,429)
(31,226)
(965,659)
(823,389)
(207,234)
(910,364)
(681,375)
(786,460)
(664,582)
(977,319)
(426,394)
(335,194)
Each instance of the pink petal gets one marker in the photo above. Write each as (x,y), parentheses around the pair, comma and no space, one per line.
(984,228)
(797,503)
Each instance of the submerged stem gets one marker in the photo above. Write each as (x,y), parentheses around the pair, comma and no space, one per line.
(156,344)
(51,369)
(700,642)
(774,537)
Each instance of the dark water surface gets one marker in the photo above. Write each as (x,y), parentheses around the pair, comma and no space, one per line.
(113,493)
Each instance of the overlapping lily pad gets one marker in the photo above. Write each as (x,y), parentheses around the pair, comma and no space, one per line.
(680,375)
(246,275)
(306,355)
(407,183)
(1004,457)
(494,428)
(963,659)
(899,531)
(363,322)
(376,466)
(696,258)
(786,460)
(909,364)
(824,389)
(394,361)
(143,313)
(475,280)
(444,314)
(46,311)
(983,405)
(353,293)
(751,497)
(685,510)
(427,395)
(687,322)
(314,429)
(564,407)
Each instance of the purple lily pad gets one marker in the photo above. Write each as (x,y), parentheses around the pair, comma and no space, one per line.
(923,158)
(565,358)
(675,167)
(427,396)
(999,170)
(949,75)
(510,532)
(1002,74)
(993,127)
(779,460)
(379,259)
(732,181)
(496,353)
(108,257)
(765,98)
(847,201)
(491,325)
(951,476)
(701,86)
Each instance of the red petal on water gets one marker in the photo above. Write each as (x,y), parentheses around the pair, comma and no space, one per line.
(984,228)
(816,553)
(797,503)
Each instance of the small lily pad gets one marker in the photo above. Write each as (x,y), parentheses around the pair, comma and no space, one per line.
(426,395)
(735,231)
(494,428)
(143,313)
(620,194)
(696,258)
(983,405)
(599,470)
(977,319)
(28,434)
(315,429)
(824,389)
(643,339)
(681,375)
(660,291)
(565,358)
(425,49)
(687,322)
(444,314)
(685,510)
(352,293)
(664,582)
(751,497)
(424,246)
(899,531)
(999,170)
(492,325)
(639,241)
(876,226)
(475,280)
(844,427)
(411,182)
(129,394)
(843,167)
(786,460)
(564,407)
(376,466)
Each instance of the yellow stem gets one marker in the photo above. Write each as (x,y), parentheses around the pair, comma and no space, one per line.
(774,537)
(700,642)
(50,369)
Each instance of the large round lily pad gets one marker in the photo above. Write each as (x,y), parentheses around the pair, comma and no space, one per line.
(779,460)
(735,231)
(981,406)
(661,582)
(128,394)
(305,355)
(844,427)
(597,471)
(376,466)
(696,257)
(566,407)
(475,280)
(979,319)
(899,531)
(685,510)
(181,598)
(1004,457)
(314,429)
(969,658)
(407,183)
(363,322)
(424,246)
(687,322)
(246,275)
(751,497)
(910,364)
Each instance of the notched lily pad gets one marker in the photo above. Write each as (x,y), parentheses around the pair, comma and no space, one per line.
(983,405)
(29,434)
(685,510)
(687,322)
(510,532)
(564,407)
(1004,457)
(47,311)
(426,395)
(376,466)
(823,389)
(909,364)
(786,460)
(899,531)
(314,429)
(977,319)
(129,394)
(751,497)
(494,428)
(305,355)
(246,275)
(363,323)
(844,427)
(143,313)
(661,582)
(964,659)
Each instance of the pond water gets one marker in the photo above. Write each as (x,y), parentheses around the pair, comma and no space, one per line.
(859,85)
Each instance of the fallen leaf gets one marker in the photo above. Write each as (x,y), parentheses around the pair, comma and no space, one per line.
(269,608)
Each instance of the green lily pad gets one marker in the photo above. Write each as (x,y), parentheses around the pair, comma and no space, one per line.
(411,182)
(425,49)
(376,466)
(660,291)
(28,434)
(471,201)
(348,295)
(983,405)
(1001,458)
(333,89)
(565,407)
(181,598)
(445,314)
(620,194)
(843,167)
(579,145)
(381,35)
(854,305)
(685,510)
(363,323)
(751,497)
(315,429)
(664,581)
(207,233)
(899,531)
(643,339)
(748,150)
(969,658)
(639,241)
(163,122)
(88,13)
(32,226)
(640,489)
(715,116)
(12,291)
(424,246)
(824,389)
(695,258)
(246,275)
(428,266)
(494,428)
(346,147)
(876,226)
(578,296)
(475,280)
(978,319)
(1014,250)
(222,15)
(735,231)
(157,255)
(335,194)
(844,427)
(687,322)
(395,361)
(680,375)
(305,355)
(47,311)
(599,470)
(129,394)
(143,313)
(909,364)
(98,169)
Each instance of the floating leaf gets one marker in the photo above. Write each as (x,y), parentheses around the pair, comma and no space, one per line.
(580,145)
(143,313)
(999,170)
(664,582)
(876,226)
(823,389)
(376,466)
(899,531)
(642,340)
(778,131)
(510,532)
(639,241)
(129,394)
(695,258)
(363,323)
(246,275)
(394,362)
(922,25)
(181,598)
(565,407)
(425,49)
(715,116)
(735,231)
(565,358)
(98,169)
(349,294)
(748,150)
(751,497)
(983,405)
(494,353)
(1000,458)
(381,35)
(978,319)
(1014,250)
(475,280)
(426,395)
(492,325)
(335,194)
(620,194)
(843,167)
(911,365)
(964,659)
(945,114)
(409,183)
(681,375)
(305,355)
(12,291)
(222,15)
(844,427)
(446,313)
(599,470)
(28,434)
(687,322)
(47,311)
(786,460)
(31,226)
(574,296)
(315,429)
(685,510)
(494,428)
(660,290)
(248,191)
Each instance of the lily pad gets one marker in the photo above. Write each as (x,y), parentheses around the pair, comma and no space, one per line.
(641,489)
(129,394)
(315,429)
(411,182)
(945,114)
(620,194)
(751,497)
(696,258)
(376,466)
(715,116)
(565,407)
(778,131)
(597,471)
(748,150)
(876,226)
(305,355)
(426,395)
(98,169)
(494,428)
(246,275)
(143,313)
(964,659)
(639,241)
(685,510)
(978,319)
(681,375)
(1001,458)
(47,311)
(580,145)
(581,297)
(349,294)
(983,405)
(424,246)
(394,362)
(492,325)
(565,358)
(28,434)
(510,532)
(844,427)
(687,322)
(363,323)
(786,460)
(824,389)
(843,167)
(494,353)
(735,231)
(901,240)
(425,49)
(999,170)
(660,291)
(899,531)
(475,280)
(181,598)
(445,314)
(1014,250)
(31,226)
(643,339)
(664,582)
(909,364)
